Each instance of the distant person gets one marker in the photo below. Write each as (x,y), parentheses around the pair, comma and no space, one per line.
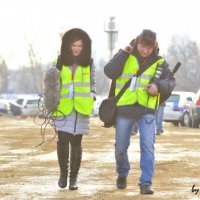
(135,129)
(76,103)
(198,106)
(159,119)
(140,61)
(198,101)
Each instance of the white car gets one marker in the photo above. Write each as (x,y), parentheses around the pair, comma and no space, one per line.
(28,106)
(180,108)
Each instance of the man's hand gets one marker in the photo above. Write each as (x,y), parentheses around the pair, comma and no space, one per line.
(128,49)
(152,89)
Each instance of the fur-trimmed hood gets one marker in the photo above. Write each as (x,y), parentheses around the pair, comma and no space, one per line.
(70,37)
(135,42)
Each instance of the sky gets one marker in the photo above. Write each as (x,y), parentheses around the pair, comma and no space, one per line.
(40,23)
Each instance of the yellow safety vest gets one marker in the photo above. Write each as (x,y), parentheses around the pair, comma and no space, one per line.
(80,100)
(139,93)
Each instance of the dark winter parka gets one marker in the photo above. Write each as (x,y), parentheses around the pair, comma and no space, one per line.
(115,67)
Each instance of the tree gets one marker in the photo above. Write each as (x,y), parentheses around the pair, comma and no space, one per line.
(27,79)
(21,81)
(36,70)
(3,75)
(186,51)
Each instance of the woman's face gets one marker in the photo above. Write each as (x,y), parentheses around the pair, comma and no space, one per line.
(77,47)
(144,50)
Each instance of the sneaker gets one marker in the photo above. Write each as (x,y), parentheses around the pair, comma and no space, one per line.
(146,189)
(159,132)
(121,182)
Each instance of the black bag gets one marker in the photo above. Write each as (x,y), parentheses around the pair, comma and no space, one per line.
(108,107)
(107,111)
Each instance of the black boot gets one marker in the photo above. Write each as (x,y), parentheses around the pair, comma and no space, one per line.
(63,160)
(75,162)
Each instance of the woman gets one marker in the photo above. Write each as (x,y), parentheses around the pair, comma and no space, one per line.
(77,96)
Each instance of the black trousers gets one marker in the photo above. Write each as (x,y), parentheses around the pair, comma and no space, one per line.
(66,138)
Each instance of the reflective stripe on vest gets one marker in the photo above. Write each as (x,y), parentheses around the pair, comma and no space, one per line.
(81,100)
(139,93)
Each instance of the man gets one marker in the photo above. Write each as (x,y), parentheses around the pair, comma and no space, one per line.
(139,60)
(159,119)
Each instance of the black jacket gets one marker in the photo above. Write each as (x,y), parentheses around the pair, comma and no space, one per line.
(165,85)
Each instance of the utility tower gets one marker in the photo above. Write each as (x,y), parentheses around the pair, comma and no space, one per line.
(111,29)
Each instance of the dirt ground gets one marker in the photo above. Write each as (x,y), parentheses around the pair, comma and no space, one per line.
(27,172)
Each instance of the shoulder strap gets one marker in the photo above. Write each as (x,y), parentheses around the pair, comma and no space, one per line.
(123,89)
(127,84)
(142,69)
(113,84)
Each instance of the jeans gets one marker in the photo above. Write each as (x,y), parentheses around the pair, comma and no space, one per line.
(159,119)
(146,126)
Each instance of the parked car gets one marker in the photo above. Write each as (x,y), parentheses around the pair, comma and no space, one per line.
(4,107)
(25,106)
(15,108)
(180,109)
